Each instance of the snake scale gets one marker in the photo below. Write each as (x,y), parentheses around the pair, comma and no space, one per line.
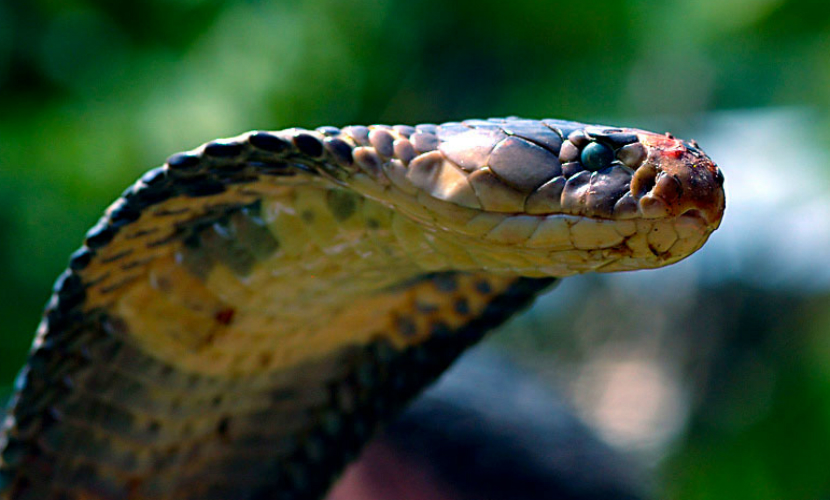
(243,319)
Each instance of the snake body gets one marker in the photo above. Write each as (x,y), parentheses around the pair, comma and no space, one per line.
(242,319)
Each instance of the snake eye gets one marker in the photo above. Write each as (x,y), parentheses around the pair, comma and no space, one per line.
(596,156)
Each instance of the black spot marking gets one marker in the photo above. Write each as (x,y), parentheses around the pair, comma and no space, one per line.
(484,287)
(225,316)
(154,427)
(462,306)
(341,203)
(445,282)
(425,307)
(406,326)
(223,426)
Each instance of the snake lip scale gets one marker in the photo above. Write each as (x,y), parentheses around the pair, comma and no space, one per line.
(244,318)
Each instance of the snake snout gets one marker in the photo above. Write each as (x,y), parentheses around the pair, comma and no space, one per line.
(686,181)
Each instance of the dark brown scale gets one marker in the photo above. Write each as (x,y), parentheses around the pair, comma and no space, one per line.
(429,128)
(632,155)
(100,235)
(404,151)
(563,127)
(575,191)
(579,139)
(446,131)
(481,124)
(155,177)
(668,187)
(607,186)
(547,198)
(404,130)
(612,137)
(328,131)
(268,141)
(643,180)
(471,149)
(220,149)
(382,141)
(123,213)
(339,150)
(69,289)
(143,196)
(424,142)
(368,161)
(183,161)
(359,133)
(568,152)
(572,168)
(523,165)
(618,139)
(308,145)
(535,132)
(81,258)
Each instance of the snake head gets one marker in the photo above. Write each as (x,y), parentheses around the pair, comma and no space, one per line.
(572,197)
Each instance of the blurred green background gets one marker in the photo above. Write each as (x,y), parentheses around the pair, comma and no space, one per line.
(93,93)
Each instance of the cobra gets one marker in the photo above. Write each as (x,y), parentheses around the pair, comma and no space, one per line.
(243,319)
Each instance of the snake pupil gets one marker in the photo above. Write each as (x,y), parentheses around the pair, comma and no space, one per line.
(596,156)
